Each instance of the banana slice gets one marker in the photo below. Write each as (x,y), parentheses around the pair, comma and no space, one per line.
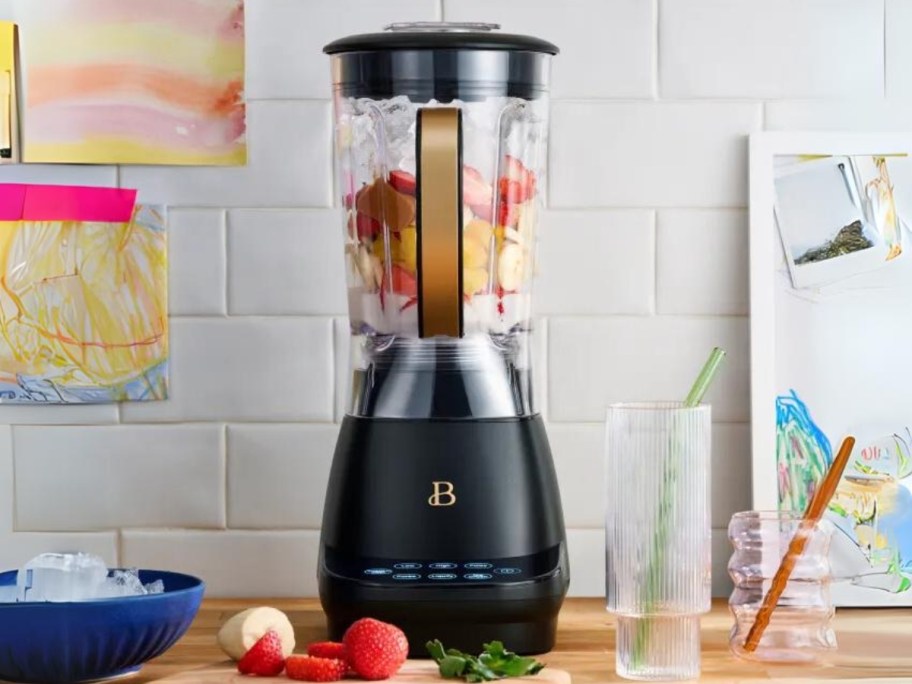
(370,268)
(510,267)
(474,280)
(241,632)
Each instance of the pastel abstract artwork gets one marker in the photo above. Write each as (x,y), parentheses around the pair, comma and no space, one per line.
(135,82)
(83,309)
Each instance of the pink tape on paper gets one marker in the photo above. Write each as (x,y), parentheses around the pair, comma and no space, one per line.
(22,202)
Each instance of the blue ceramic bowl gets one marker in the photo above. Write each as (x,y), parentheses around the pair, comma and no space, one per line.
(63,643)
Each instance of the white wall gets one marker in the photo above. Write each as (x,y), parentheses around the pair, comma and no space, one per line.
(644,268)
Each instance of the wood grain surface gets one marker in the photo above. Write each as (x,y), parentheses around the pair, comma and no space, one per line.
(874,645)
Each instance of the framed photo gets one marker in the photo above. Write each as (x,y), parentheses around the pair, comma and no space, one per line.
(831,344)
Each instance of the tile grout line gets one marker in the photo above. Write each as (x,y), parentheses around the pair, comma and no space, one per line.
(224,228)
(655,50)
(14,515)
(885,81)
(224,472)
(655,262)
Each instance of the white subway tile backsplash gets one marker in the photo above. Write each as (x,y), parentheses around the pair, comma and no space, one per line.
(586,549)
(19,548)
(771,48)
(579,458)
(50,414)
(731,471)
(596,262)
(64,174)
(7,497)
(596,361)
(285,39)
(701,262)
(898,24)
(861,115)
(341,371)
(95,478)
(286,262)
(643,265)
(273,369)
(232,563)
(196,262)
(721,552)
(288,164)
(606,52)
(277,474)
(650,154)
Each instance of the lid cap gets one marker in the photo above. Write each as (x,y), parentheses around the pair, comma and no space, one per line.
(440,35)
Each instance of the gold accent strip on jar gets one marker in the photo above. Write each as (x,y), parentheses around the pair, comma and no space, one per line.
(439,163)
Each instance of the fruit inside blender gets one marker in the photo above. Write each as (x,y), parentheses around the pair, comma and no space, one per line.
(500,194)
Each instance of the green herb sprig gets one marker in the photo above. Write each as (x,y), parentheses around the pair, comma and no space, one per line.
(495,662)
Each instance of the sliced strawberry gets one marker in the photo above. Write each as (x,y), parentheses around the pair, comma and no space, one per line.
(510,190)
(515,170)
(265,658)
(508,214)
(307,668)
(327,649)
(349,200)
(368,228)
(482,211)
(403,181)
(404,282)
(476,191)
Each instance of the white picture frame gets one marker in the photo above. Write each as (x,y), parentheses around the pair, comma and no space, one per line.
(767,253)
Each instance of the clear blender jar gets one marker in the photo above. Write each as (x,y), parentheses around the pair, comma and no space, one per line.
(441,144)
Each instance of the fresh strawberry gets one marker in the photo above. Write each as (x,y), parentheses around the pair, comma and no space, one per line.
(476,191)
(368,228)
(307,668)
(403,181)
(327,649)
(376,650)
(510,190)
(264,658)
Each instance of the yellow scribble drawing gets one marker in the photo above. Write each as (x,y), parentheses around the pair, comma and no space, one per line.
(83,310)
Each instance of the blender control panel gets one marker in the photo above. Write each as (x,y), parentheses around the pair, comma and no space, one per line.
(446,571)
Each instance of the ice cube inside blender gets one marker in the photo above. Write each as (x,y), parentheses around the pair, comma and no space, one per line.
(61,577)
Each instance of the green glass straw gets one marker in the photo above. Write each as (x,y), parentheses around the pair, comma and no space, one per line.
(669,475)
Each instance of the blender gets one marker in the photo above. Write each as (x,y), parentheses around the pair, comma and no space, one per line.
(442,512)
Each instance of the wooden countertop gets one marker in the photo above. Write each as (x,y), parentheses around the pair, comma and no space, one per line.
(873,644)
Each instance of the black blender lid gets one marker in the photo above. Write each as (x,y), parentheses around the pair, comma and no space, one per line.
(440,35)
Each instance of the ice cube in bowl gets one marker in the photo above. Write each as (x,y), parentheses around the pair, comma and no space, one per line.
(81,641)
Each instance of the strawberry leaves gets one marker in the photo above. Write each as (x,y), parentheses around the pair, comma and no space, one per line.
(495,662)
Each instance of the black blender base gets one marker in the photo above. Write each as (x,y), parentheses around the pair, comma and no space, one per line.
(451,530)
(426,621)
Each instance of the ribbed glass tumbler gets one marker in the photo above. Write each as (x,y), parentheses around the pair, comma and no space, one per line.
(800,627)
(658,536)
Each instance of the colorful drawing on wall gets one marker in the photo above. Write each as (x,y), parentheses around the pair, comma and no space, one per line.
(831,282)
(83,309)
(135,82)
(872,507)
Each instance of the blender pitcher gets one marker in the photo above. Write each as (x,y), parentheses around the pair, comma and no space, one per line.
(442,488)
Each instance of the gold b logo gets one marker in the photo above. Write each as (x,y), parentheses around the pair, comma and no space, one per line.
(443,494)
